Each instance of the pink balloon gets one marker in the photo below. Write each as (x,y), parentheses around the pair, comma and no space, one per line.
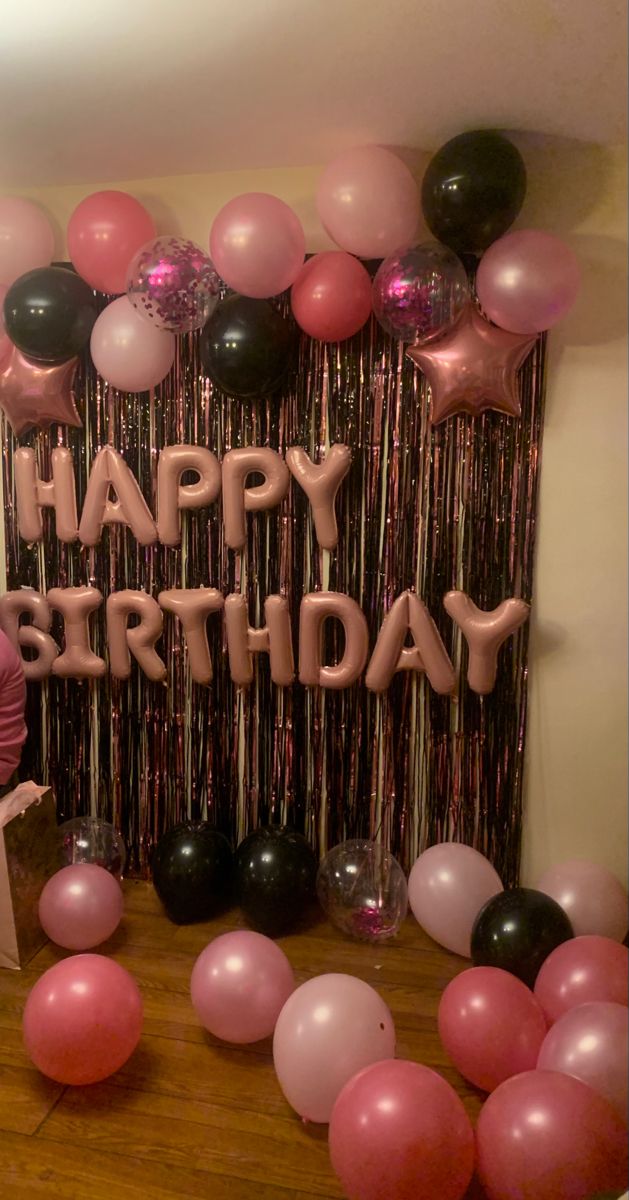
(491,1026)
(546,1136)
(581,970)
(239,985)
(447,887)
(591,1043)
(5,341)
(105,231)
(26,239)
(527,281)
(331,297)
(593,898)
(257,244)
(398,1131)
(81,906)
(83,1019)
(368,202)
(128,352)
(328,1030)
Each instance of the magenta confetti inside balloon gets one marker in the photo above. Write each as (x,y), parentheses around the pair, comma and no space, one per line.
(419,293)
(173,283)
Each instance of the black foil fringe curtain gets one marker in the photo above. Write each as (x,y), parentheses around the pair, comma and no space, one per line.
(422,508)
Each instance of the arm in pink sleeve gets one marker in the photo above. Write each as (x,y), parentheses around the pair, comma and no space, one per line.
(12,704)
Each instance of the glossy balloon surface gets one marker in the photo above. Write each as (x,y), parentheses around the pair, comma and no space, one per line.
(275,878)
(193,872)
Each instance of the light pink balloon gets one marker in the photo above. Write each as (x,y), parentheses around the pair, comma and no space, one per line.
(547,1136)
(447,887)
(581,970)
(331,296)
(591,1043)
(127,351)
(527,281)
(81,906)
(257,244)
(328,1030)
(105,232)
(593,898)
(5,340)
(26,238)
(398,1131)
(368,202)
(239,985)
(490,1025)
(83,1019)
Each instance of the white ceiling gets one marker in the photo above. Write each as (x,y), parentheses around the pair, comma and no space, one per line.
(97,90)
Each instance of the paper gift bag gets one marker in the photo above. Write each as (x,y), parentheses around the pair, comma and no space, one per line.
(29,855)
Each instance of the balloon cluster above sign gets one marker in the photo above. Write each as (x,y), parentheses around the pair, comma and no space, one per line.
(369,204)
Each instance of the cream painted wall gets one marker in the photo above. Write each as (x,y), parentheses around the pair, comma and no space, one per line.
(575,779)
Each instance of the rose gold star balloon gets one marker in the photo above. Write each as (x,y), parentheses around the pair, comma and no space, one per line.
(34,394)
(473,368)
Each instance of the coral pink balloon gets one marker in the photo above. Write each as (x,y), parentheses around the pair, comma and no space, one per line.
(398,1131)
(491,1026)
(328,1030)
(128,352)
(81,906)
(547,1136)
(593,898)
(331,297)
(83,1019)
(591,1043)
(447,887)
(239,985)
(105,231)
(368,202)
(257,244)
(527,281)
(581,970)
(26,239)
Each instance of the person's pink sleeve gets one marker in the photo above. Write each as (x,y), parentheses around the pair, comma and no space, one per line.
(12,704)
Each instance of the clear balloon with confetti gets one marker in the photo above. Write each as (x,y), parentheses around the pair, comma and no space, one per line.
(362,889)
(174,284)
(420,292)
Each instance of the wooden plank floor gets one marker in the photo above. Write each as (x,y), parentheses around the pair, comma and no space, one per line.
(188,1116)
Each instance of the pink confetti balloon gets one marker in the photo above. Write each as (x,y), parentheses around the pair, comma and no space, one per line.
(328,1030)
(527,281)
(83,1019)
(547,1136)
(81,906)
(368,202)
(490,1025)
(257,245)
(105,231)
(239,985)
(331,297)
(420,293)
(173,284)
(127,352)
(581,970)
(398,1131)
(591,1043)
(26,238)
(591,896)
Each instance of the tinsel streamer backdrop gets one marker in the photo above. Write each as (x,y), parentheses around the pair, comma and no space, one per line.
(425,508)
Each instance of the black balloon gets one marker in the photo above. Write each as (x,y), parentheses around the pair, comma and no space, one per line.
(246,347)
(49,314)
(516,930)
(473,190)
(276,871)
(193,869)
